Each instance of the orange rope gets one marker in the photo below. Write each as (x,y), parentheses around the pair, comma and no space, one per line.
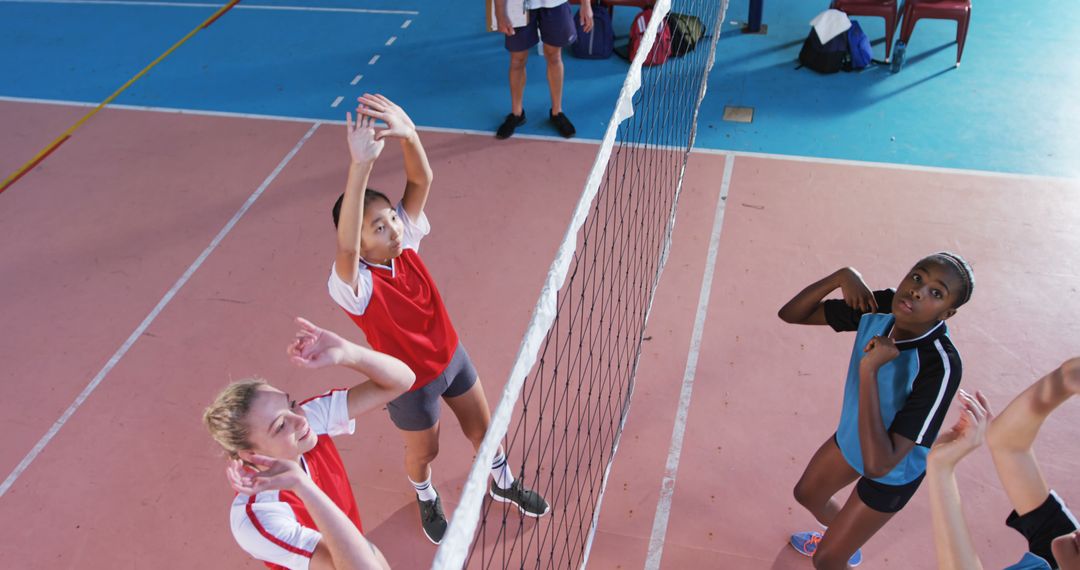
(71,130)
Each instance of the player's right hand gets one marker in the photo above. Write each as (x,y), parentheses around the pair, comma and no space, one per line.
(314,347)
(504,25)
(275,474)
(856,293)
(364,148)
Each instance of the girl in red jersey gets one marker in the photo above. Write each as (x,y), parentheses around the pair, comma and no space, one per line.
(295,508)
(380,281)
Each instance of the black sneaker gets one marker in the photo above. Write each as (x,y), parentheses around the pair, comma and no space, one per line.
(529,502)
(562,124)
(432,519)
(510,123)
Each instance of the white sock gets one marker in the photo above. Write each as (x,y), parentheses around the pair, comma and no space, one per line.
(424,490)
(501,471)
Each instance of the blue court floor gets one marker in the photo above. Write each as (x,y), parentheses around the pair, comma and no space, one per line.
(1011,107)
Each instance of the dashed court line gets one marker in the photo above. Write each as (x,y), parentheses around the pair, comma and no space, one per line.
(337,101)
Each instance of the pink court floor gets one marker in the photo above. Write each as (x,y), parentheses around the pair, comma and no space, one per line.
(157,256)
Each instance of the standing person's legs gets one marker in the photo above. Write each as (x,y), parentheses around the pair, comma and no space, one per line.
(557,31)
(518,60)
(518,45)
(555,73)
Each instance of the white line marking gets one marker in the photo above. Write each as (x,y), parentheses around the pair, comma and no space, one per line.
(237,7)
(337,101)
(575,140)
(391,41)
(406,24)
(667,487)
(356,80)
(374,59)
(26,461)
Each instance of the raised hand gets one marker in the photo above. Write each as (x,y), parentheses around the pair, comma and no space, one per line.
(880,350)
(275,474)
(364,146)
(856,293)
(398,123)
(314,347)
(966,434)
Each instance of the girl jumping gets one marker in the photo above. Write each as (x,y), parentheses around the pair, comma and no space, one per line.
(380,281)
(903,373)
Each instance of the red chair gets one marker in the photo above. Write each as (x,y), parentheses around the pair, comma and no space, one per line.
(959,10)
(874,8)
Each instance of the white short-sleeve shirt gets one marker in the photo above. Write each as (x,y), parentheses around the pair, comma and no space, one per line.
(266,526)
(356,303)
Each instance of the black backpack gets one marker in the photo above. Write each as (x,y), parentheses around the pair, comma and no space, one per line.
(686,32)
(830,57)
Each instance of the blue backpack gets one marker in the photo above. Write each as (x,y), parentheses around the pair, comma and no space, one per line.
(600,42)
(859,47)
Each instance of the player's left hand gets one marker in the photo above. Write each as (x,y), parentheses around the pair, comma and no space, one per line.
(966,434)
(879,350)
(586,15)
(398,123)
(314,347)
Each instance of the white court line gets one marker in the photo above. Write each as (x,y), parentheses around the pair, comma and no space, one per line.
(667,487)
(374,59)
(356,80)
(575,140)
(406,24)
(391,41)
(240,6)
(26,461)
(337,101)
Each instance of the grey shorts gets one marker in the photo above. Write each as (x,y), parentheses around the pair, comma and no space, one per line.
(419,409)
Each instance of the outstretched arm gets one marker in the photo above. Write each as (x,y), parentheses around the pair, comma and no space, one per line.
(418,173)
(955,549)
(342,546)
(388,377)
(1012,433)
(806,308)
(364,149)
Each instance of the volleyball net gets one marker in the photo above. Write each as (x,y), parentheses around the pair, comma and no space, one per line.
(567,398)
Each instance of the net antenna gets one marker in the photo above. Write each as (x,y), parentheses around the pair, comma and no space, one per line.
(568,395)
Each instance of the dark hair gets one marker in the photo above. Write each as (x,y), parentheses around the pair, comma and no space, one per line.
(370,195)
(962,269)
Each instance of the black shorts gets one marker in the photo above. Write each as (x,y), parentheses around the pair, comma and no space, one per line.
(886,498)
(1041,526)
(418,410)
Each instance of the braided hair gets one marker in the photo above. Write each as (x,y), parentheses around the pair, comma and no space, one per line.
(962,269)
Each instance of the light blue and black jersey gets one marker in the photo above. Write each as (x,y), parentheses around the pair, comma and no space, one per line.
(915,388)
